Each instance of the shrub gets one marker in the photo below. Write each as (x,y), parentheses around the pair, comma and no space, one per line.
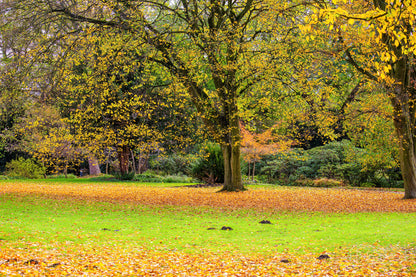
(3,177)
(321,182)
(367,185)
(25,168)
(153,178)
(210,166)
(335,160)
(172,164)
(327,183)
(125,176)
(59,176)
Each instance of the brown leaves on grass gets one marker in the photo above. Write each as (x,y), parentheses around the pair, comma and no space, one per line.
(113,261)
(278,199)
(63,259)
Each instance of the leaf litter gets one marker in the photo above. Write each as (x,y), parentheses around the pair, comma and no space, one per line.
(35,259)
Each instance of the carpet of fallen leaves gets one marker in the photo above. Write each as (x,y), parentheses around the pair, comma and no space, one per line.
(38,261)
(34,259)
(280,199)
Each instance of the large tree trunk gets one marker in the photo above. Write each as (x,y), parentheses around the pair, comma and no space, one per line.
(232,169)
(94,166)
(231,154)
(404,123)
(123,154)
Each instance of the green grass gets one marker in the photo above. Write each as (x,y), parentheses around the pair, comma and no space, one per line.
(36,219)
(101,181)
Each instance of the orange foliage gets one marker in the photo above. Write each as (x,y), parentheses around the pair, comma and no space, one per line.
(254,146)
(273,200)
(111,261)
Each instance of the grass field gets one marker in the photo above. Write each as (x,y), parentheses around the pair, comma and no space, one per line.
(96,228)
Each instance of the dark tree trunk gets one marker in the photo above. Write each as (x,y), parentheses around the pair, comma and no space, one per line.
(123,154)
(232,169)
(403,99)
(231,154)
(66,169)
(405,123)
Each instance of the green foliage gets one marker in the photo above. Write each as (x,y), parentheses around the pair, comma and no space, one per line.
(152,177)
(333,161)
(3,177)
(173,164)
(25,168)
(210,166)
(60,176)
(125,176)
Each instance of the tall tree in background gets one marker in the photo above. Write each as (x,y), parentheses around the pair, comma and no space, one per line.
(115,100)
(377,39)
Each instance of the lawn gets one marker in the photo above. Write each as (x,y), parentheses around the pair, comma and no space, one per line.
(111,228)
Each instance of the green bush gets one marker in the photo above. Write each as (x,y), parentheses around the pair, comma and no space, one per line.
(210,166)
(335,160)
(60,176)
(25,168)
(172,164)
(125,176)
(153,178)
(3,177)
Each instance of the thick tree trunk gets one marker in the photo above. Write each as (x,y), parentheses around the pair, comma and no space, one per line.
(404,123)
(408,167)
(123,154)
(231,154)
(232,168)
(94,166)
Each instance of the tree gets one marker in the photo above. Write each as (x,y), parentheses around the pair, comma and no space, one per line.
(215,50)
(115,100)
(42,134)
(254,146)
(377,39)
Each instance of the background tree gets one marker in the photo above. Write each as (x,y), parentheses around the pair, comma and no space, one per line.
(115,100)
(376,38)
(257,145)
(42,134)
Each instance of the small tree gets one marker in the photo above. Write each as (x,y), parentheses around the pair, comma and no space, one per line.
(254,146)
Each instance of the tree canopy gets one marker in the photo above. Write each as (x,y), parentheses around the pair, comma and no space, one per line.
(314,70)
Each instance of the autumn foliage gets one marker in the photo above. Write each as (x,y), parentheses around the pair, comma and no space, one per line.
(60,259)
(274,200)
(142,262)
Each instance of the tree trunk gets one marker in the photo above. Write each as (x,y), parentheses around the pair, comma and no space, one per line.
(123,154)
(139,163)
(66,169)
(94,166)
(231,155)
(232,169)
(133,165)
(254,170)
(404,123)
